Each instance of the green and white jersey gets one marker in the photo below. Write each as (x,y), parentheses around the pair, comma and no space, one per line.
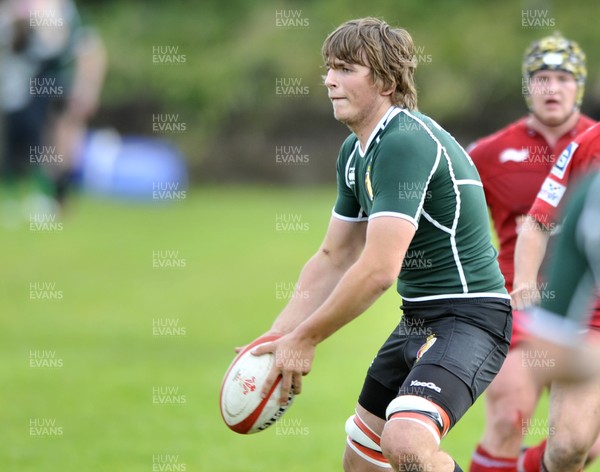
(415,170)
(570,298)
(574,271)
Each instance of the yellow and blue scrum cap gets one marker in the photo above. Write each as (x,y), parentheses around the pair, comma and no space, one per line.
(556,52)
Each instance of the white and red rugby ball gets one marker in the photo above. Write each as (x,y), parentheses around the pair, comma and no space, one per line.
(242,408)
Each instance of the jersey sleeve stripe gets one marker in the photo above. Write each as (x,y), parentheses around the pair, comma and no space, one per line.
(356,219)
(393,214)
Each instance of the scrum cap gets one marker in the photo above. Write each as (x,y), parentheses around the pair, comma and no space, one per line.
(555,52)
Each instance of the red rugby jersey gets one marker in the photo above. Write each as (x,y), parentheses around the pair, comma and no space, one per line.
(513,164)
(578,157)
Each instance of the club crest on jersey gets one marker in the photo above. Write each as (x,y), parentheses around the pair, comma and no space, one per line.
(368,185)
(425,347)
(563,160)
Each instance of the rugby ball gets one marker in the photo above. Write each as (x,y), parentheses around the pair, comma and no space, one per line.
(242,408)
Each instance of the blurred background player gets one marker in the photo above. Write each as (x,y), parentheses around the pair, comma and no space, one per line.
(513,163)
(558,322)
(51,73)
(574,409)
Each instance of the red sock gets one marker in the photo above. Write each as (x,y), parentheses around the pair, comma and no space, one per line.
(531,458)
(483,461)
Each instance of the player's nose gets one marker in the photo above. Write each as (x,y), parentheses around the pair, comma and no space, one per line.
(329,80)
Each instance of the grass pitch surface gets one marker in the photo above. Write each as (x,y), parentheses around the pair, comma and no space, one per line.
(119,323)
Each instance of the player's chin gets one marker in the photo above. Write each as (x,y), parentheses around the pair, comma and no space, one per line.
(554,118)
(343,118)
(337,114)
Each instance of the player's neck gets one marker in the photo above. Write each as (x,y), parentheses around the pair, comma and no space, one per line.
(364,129)
(553,133)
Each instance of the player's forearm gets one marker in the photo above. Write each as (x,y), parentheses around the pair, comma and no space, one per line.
(530,250)
(357,290)
(317,280)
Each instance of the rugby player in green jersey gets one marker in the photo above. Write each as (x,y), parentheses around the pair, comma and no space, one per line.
(574,283)
(410,209)
(560,330)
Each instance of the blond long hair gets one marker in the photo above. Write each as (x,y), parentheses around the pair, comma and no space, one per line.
(388,52)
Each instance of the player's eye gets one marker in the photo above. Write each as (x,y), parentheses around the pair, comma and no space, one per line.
(565,78)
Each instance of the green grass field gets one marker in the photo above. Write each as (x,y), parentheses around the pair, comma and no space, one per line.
(117,328)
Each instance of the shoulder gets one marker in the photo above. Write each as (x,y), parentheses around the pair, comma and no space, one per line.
(590,136)
(585,123)
(585,147)
(408,146)
(409,128)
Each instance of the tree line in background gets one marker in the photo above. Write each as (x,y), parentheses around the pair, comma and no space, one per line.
(238,85)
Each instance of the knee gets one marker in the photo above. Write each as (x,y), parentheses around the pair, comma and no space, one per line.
(401,455)
(509,425)
(508,413)
(565,452)
(412,433)
(362,447)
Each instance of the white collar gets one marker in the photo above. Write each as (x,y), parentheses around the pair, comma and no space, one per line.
(387,117)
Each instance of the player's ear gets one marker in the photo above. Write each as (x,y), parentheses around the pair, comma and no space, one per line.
(387,91)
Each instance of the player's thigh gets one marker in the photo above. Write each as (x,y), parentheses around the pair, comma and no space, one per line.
(458,367)
(387,372)
(515,386)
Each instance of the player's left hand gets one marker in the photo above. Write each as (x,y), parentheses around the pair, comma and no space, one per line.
(524,295)
(293,359)
(271,332)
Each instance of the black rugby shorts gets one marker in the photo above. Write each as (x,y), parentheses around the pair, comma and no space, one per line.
(447,351)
